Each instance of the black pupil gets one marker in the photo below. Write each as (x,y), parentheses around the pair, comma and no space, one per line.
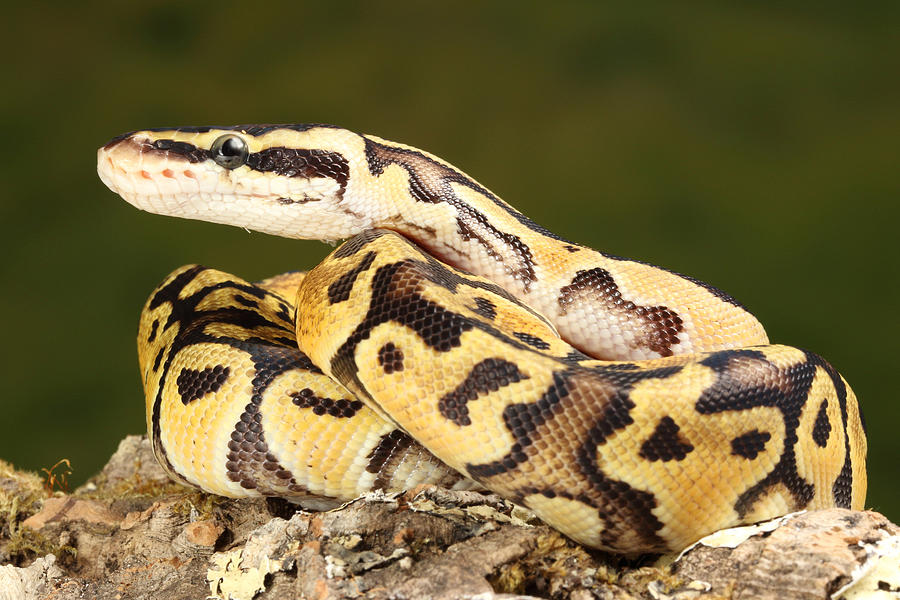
(231,147)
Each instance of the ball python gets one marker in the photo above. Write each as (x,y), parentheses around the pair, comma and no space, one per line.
(452,340)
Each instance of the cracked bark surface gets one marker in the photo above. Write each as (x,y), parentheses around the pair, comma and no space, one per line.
(129,533)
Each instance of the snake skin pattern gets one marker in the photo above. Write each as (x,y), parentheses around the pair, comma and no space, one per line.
(454,341)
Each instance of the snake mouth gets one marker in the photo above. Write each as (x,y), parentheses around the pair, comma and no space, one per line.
(148,177)
(152,175)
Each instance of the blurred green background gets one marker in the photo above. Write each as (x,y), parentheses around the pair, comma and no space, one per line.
(753,146)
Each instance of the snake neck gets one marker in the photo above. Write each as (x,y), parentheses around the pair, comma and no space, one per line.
(328,183)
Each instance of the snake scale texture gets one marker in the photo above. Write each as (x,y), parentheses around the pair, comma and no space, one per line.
(451,340)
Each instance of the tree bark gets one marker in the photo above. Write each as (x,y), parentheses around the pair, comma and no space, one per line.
(130,533)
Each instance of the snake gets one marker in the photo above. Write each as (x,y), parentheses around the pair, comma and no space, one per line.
(451,340)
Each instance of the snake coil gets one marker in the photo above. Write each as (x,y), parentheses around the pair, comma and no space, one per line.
(452,340)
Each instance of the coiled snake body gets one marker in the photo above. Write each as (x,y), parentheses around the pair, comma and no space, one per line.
(452,340)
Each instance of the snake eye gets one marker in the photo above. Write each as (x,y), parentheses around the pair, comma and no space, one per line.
(229,151)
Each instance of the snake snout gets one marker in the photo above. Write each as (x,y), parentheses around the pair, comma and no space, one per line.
(148,179)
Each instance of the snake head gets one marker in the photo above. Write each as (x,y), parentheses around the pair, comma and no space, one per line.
(301,181)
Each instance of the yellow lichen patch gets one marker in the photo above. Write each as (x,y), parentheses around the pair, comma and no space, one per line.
(20,494)
(229,579)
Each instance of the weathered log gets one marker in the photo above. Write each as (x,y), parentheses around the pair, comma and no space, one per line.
(129,533)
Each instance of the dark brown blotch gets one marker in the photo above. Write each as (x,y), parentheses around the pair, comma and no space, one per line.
(485,308)
(390,357)
(750,444)
(822,427)
(339,289)
(341,408)
(474,225)
(390,449)
(194,384)
(489,375)
(666,443)
(357,243)
(249,302)
(301,162)
(192,153)
(531,340)
(153,327)
(249,461)
(660,324)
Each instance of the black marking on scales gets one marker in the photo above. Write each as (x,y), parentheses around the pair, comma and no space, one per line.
(750,444)
(301,162)
(721,295)
(158,358)
(487,376)
(286,313)
(431,181)
(193,384)
(485,308)
(248,302)
(822,427)
(393,299)
(471,222)
(390,357)
(342,408)
(339,289)
(532,340)
(842,490)
(270,357)
(666,443)
(257,130)
(659,325)
(745,379)
(153,327)
(248,446)
(625,511)
(386,454)
(357,243)
(189,152)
